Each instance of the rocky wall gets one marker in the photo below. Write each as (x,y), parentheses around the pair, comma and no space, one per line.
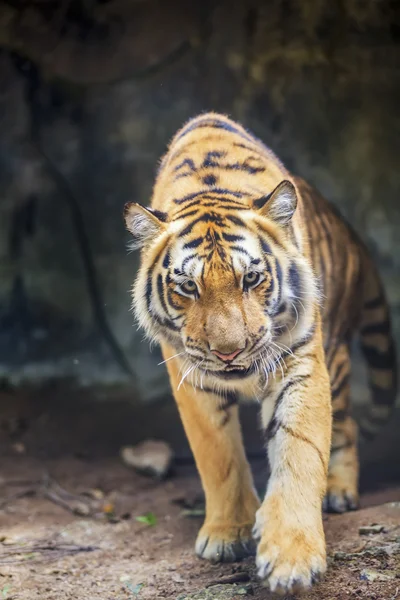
(87,108)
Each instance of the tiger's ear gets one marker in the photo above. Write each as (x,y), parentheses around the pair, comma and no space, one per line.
(143,223)
(279,205)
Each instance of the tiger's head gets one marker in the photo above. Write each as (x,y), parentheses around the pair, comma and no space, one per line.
(224,283)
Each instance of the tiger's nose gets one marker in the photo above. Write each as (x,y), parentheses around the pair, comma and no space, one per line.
(227,357)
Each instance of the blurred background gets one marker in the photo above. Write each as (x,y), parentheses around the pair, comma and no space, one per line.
(91,91)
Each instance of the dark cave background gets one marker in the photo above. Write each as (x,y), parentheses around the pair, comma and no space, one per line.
(91,91)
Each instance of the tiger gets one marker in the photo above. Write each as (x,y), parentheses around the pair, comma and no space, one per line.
(254,286)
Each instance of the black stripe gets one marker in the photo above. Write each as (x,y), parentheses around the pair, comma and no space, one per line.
(217,205)
(220,191)
(339,370)
(220,203)
(379,360)
(340,387)
(383,328)
(187,214)
(294,280)
(375,303)
(229,398)
(194,243)
(282,308)
(241,250)
(186,162)
(229,237)
(149,282)
(206,218)
(210,156)
(265,246)
(236,220)
(186,207)
(384,397)
(230,207)
(222,199)
(307,338)
(340,415)
(278,271)
(171,301)
(241,167)
(206,122)
(254,149)
(295,380)
(185,262)
(166,260)
(148,297)
(160,290)
(274,424)
(272,428)
(188,197)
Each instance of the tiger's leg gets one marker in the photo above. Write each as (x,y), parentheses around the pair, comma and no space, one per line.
(342,492)
(212,426)
(291,553)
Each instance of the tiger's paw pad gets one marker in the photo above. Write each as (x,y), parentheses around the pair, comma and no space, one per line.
(340,500)
(288,568)
(229,545)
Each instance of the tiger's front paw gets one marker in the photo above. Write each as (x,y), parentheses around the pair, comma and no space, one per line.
(289,559)
(219,543)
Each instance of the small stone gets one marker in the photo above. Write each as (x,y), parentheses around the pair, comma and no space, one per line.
(374,575)
(150,457)
(371,529)
(96,494)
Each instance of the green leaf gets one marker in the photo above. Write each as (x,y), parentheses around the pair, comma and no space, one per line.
(135,589)
(149,519)
(5,590)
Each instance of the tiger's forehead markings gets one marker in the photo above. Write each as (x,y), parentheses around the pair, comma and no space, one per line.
(220,191)
(216,247)
(218,159)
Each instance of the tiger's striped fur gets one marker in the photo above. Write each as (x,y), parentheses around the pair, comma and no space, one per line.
(253,284)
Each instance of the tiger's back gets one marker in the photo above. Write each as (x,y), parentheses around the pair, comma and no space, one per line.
(353,303)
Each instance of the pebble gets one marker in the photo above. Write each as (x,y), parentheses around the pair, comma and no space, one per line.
(371,529)
(374,575)
(151,457)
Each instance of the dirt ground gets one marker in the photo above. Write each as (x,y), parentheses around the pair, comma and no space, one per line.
(49,553)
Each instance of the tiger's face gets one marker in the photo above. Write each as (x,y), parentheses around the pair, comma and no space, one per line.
(226,288)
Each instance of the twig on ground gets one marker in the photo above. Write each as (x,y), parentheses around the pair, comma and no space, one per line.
(21,552)
(22,494)
(235,578)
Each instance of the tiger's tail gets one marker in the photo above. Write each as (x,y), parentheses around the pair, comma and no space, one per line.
(379,350)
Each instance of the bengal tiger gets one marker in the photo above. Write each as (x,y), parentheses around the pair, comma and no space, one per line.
(255,286)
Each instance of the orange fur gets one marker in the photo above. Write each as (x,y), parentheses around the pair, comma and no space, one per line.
(235,250)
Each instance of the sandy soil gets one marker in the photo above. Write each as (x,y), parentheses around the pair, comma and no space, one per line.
(48,553)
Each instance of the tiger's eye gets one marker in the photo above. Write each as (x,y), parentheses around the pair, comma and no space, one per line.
(189,287)
(251,279)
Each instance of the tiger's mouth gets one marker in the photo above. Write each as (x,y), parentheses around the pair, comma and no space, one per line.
(231,372)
